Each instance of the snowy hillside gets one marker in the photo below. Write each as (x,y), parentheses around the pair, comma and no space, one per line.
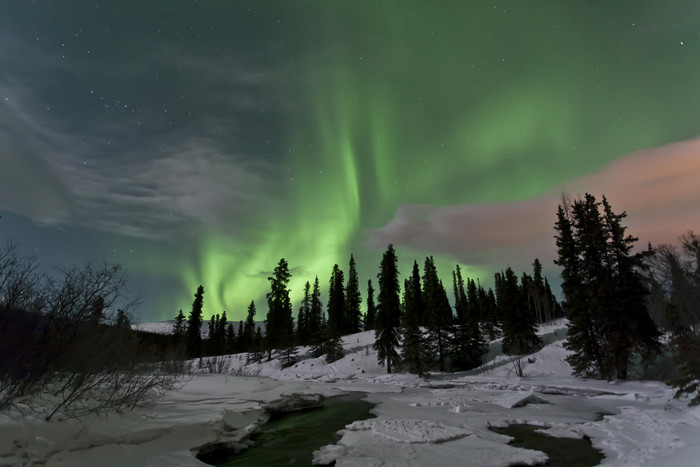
(158,327)
(166,327)
(440,420)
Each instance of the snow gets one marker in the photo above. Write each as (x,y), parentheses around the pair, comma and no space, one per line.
(440,420)
(160,327)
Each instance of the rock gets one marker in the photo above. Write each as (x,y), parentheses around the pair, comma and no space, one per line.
(519,399)
(234,420)
(295,403)
(219,451)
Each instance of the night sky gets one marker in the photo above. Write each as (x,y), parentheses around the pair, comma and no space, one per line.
(198,142)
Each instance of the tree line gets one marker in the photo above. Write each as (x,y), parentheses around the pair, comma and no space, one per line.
(416,328)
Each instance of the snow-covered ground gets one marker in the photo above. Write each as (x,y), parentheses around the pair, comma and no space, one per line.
(158,327)
(441,420)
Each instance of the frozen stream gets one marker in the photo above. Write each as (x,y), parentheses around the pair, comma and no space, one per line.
(292,438)
(562,452)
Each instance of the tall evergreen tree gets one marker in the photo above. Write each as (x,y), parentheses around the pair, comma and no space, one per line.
(536,294)
(220,334)
(315,310)
(332,344)
(437,307)
(211,335)
(604,290)
(258,346)
(469,345)
(413,347)
(180,327)
(194,325)
(586,358)
(629,326)
(387,337)
(336,300)
(241,346)
(489,313)
(371,313)
(303,316)
(353,300)
(279,325)
(519,329)
(230,340)
(248,328)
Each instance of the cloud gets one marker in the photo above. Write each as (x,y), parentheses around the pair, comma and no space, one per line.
(184,188)
(28,185)
(659,188)
(54,176)
(111,161)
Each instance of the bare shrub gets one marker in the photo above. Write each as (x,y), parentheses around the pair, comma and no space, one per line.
(65,343)
(217,364)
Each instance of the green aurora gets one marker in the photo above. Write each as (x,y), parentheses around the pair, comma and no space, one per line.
(366,107)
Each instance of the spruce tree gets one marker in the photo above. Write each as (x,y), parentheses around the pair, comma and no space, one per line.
(258,346)
(489,313)
(315,313)
(537,294)
(629,326)
(211,335)
(353,300)
(468,345)
(387,337)
(220,334)
(332,343)
(336,301)
(586,358)
(439,312)
(247,330)
(413,348)
(371,313)
(230,340)
(279,325)
(303,316)
(519,328)
(194,325)
(317,325)
(604,290)
(180,327)
(240,345)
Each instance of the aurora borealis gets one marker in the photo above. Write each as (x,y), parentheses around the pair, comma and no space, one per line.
(201,141)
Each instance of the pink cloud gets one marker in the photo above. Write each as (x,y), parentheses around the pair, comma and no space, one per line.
(659,188)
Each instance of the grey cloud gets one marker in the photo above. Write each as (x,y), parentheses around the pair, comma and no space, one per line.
(50,174)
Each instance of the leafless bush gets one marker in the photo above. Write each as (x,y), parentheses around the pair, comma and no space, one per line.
(675,279)
(20,284)
(245,370)
(217,364)
(68,352)
(517,363)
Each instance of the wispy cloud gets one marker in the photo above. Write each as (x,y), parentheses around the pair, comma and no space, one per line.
(52,175)
(111,161)
(659,188)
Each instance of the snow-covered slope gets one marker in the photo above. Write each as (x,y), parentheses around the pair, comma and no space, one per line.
(158,327)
